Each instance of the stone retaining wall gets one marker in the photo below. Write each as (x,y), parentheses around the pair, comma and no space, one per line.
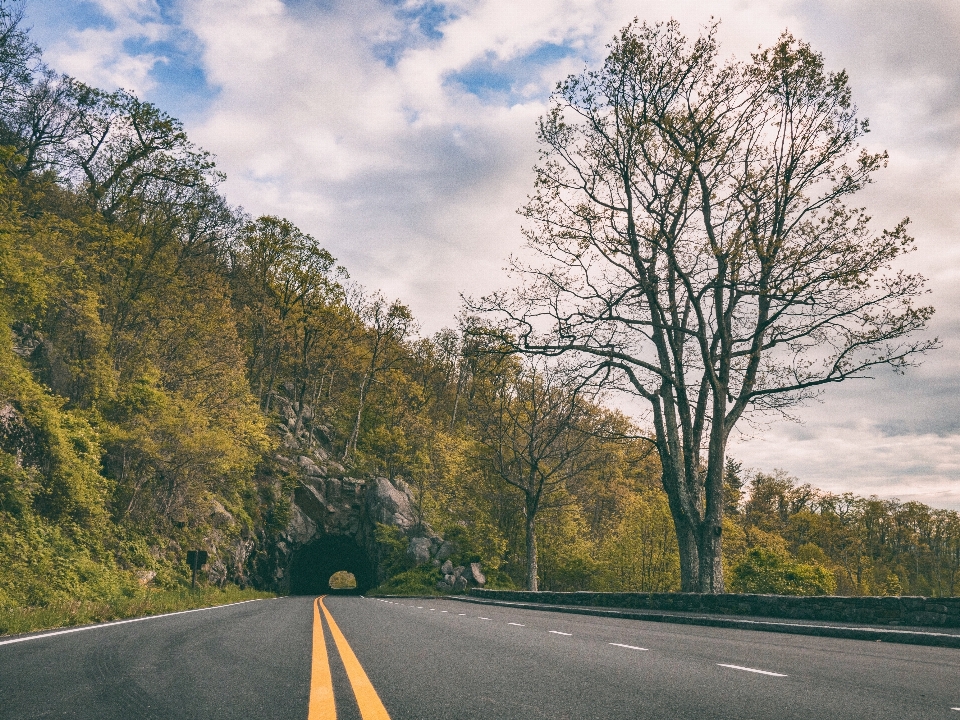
(910,611)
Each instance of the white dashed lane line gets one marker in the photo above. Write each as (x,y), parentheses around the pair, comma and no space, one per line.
(627,647)
(753,670)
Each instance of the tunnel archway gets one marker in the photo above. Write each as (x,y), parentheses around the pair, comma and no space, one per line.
(312,565)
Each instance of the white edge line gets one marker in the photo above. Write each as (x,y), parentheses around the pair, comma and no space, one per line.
(121,622)
(557,632)
(629,647)
(753,670)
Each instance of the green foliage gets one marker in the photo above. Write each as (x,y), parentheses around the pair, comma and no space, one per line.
(415,581)
(393,549)
(342,580)
(641,552)
(769,571)
(499,580)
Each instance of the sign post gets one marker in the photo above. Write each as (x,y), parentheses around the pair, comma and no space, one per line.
(195,559)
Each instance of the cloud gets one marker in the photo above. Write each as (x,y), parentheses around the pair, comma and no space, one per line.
(858,456)
(894,436)
(137,45)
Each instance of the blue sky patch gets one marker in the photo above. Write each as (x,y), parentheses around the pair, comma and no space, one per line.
(491,77)
(180,84)
(47,18)
(421,23)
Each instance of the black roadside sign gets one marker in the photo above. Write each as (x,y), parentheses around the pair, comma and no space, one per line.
(195,559)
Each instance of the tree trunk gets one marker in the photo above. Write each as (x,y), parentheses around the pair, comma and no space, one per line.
(711,558)
(710,537)
(531,549)
(689,555)
(699,537)
(355,434)
(674,484)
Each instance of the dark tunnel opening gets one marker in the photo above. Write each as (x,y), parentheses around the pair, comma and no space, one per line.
(312,566)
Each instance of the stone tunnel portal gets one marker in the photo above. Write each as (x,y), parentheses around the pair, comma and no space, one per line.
(312,565)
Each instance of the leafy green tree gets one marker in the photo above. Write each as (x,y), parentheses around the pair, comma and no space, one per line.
(386,326)
(641,553)
(537,431)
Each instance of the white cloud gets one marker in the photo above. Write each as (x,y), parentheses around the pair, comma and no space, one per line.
(859,457)
(99,56)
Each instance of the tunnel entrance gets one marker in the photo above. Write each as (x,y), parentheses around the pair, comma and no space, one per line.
(312,566)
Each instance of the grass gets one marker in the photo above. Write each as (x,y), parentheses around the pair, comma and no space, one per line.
(151,602)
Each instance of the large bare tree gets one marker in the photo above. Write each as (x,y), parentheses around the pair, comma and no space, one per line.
(697,250)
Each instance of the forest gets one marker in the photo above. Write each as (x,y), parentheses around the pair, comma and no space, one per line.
(149,327)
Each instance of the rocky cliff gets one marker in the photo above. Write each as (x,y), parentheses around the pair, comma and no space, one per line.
(334,516)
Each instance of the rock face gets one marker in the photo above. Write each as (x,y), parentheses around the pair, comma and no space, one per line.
(461,577)
(329,507)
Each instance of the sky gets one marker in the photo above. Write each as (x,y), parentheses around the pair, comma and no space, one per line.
(400,134)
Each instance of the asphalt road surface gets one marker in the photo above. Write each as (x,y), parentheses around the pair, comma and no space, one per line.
(357,658)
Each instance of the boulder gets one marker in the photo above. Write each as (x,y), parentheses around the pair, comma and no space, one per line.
(300,528)
(445,550)
(219,515)
(474,574)
(458,570)
(447,567)
(309,467)
(460,583)
(419,550)
(390,505)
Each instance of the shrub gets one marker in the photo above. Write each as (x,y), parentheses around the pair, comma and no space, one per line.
(771,571)
(416,581)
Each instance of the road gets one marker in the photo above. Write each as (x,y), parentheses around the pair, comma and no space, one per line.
(445,660)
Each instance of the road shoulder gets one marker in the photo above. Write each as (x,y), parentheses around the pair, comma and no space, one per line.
(850,631)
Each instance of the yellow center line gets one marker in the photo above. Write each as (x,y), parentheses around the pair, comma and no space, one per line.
(322,706)
(367,699)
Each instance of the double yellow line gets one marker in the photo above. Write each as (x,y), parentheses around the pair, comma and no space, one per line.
(322,705)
